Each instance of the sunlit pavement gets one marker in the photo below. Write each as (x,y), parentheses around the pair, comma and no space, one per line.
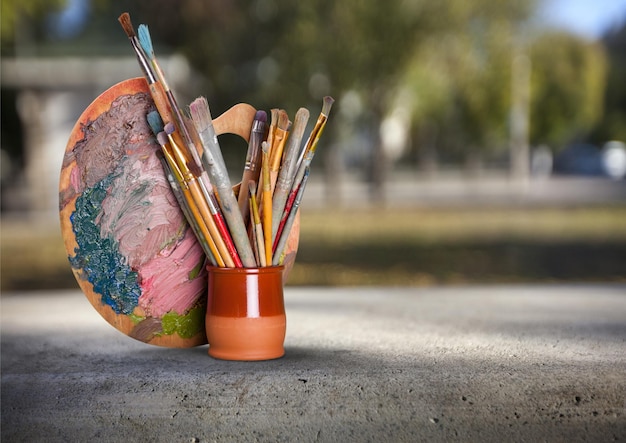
(519,363)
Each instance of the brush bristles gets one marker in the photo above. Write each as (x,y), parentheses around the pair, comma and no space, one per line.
(155,122)
(302,115)
(283,120)
(261,116)
(169,128)
(127,25)
(200,113)
(145,41)
(274,116)
(328,103)
(252,187)
(162,138)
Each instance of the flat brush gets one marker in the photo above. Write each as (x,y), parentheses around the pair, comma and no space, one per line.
(203,123)
(270,138)
(177,117)
(161,99)
(279,253)
(308,152)
(253,156)
(181,191)
(146,44)
(278,144)
(316,133)
(288,207)
(205,206)
(274,113)
(288,168)
(156,89)
(257,228)
(201,117)
(267,202)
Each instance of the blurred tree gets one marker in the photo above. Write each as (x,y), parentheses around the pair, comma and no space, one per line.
(613,125)
(567,87)
(460,79)
(448,62)
(291,54)
(18,19)
(14,14)
(275,53)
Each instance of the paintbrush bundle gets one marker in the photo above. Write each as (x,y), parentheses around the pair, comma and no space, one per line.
(243,226)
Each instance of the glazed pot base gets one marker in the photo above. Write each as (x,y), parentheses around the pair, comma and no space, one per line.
(246,339)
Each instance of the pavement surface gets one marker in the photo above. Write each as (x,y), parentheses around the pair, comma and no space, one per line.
(518,363)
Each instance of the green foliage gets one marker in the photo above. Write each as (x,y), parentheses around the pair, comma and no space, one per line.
(613,124)
(568,83)
(274,52)
(14,11)
(448,61)
(460,77)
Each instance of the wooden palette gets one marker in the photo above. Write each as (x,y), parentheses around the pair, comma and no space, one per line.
(128,243)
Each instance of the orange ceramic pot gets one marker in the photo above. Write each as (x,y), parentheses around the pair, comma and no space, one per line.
(245,316)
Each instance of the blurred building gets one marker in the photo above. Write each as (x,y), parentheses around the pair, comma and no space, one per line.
(51,95)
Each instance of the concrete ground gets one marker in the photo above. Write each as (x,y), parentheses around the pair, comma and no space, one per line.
(521,363)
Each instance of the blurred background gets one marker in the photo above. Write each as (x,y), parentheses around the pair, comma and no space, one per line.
(470,141)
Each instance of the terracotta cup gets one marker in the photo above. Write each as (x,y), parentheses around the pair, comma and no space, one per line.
(245,316)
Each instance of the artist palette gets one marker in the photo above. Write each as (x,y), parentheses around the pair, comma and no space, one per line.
(129,245)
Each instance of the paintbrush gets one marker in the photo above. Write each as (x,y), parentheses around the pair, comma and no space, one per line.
(208,210)
(256,225)
(307,155)
(164,101)
(278,256)
(146,44)
(311,144)
(156,89)
(179,187)
(253,156)
(270,137)
(203,123)
(201,117)
(181,191)
(188,141)
(267,201)
(205,237)
(274,113)
(278,144)
(304,163)
(288,207)
(287,171)
(232,259)
(275,149)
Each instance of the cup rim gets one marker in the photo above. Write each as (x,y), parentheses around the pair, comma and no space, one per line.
(256,270)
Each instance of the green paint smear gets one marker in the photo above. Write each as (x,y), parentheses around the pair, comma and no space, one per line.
(186,326)
(136,319)
(196,270)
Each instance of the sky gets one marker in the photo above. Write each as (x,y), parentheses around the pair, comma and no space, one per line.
(588,18)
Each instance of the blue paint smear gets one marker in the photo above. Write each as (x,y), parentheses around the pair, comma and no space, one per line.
(99,258)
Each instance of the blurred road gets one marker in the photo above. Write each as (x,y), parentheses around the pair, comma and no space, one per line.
(454,189)
(498,363)
(412,190)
